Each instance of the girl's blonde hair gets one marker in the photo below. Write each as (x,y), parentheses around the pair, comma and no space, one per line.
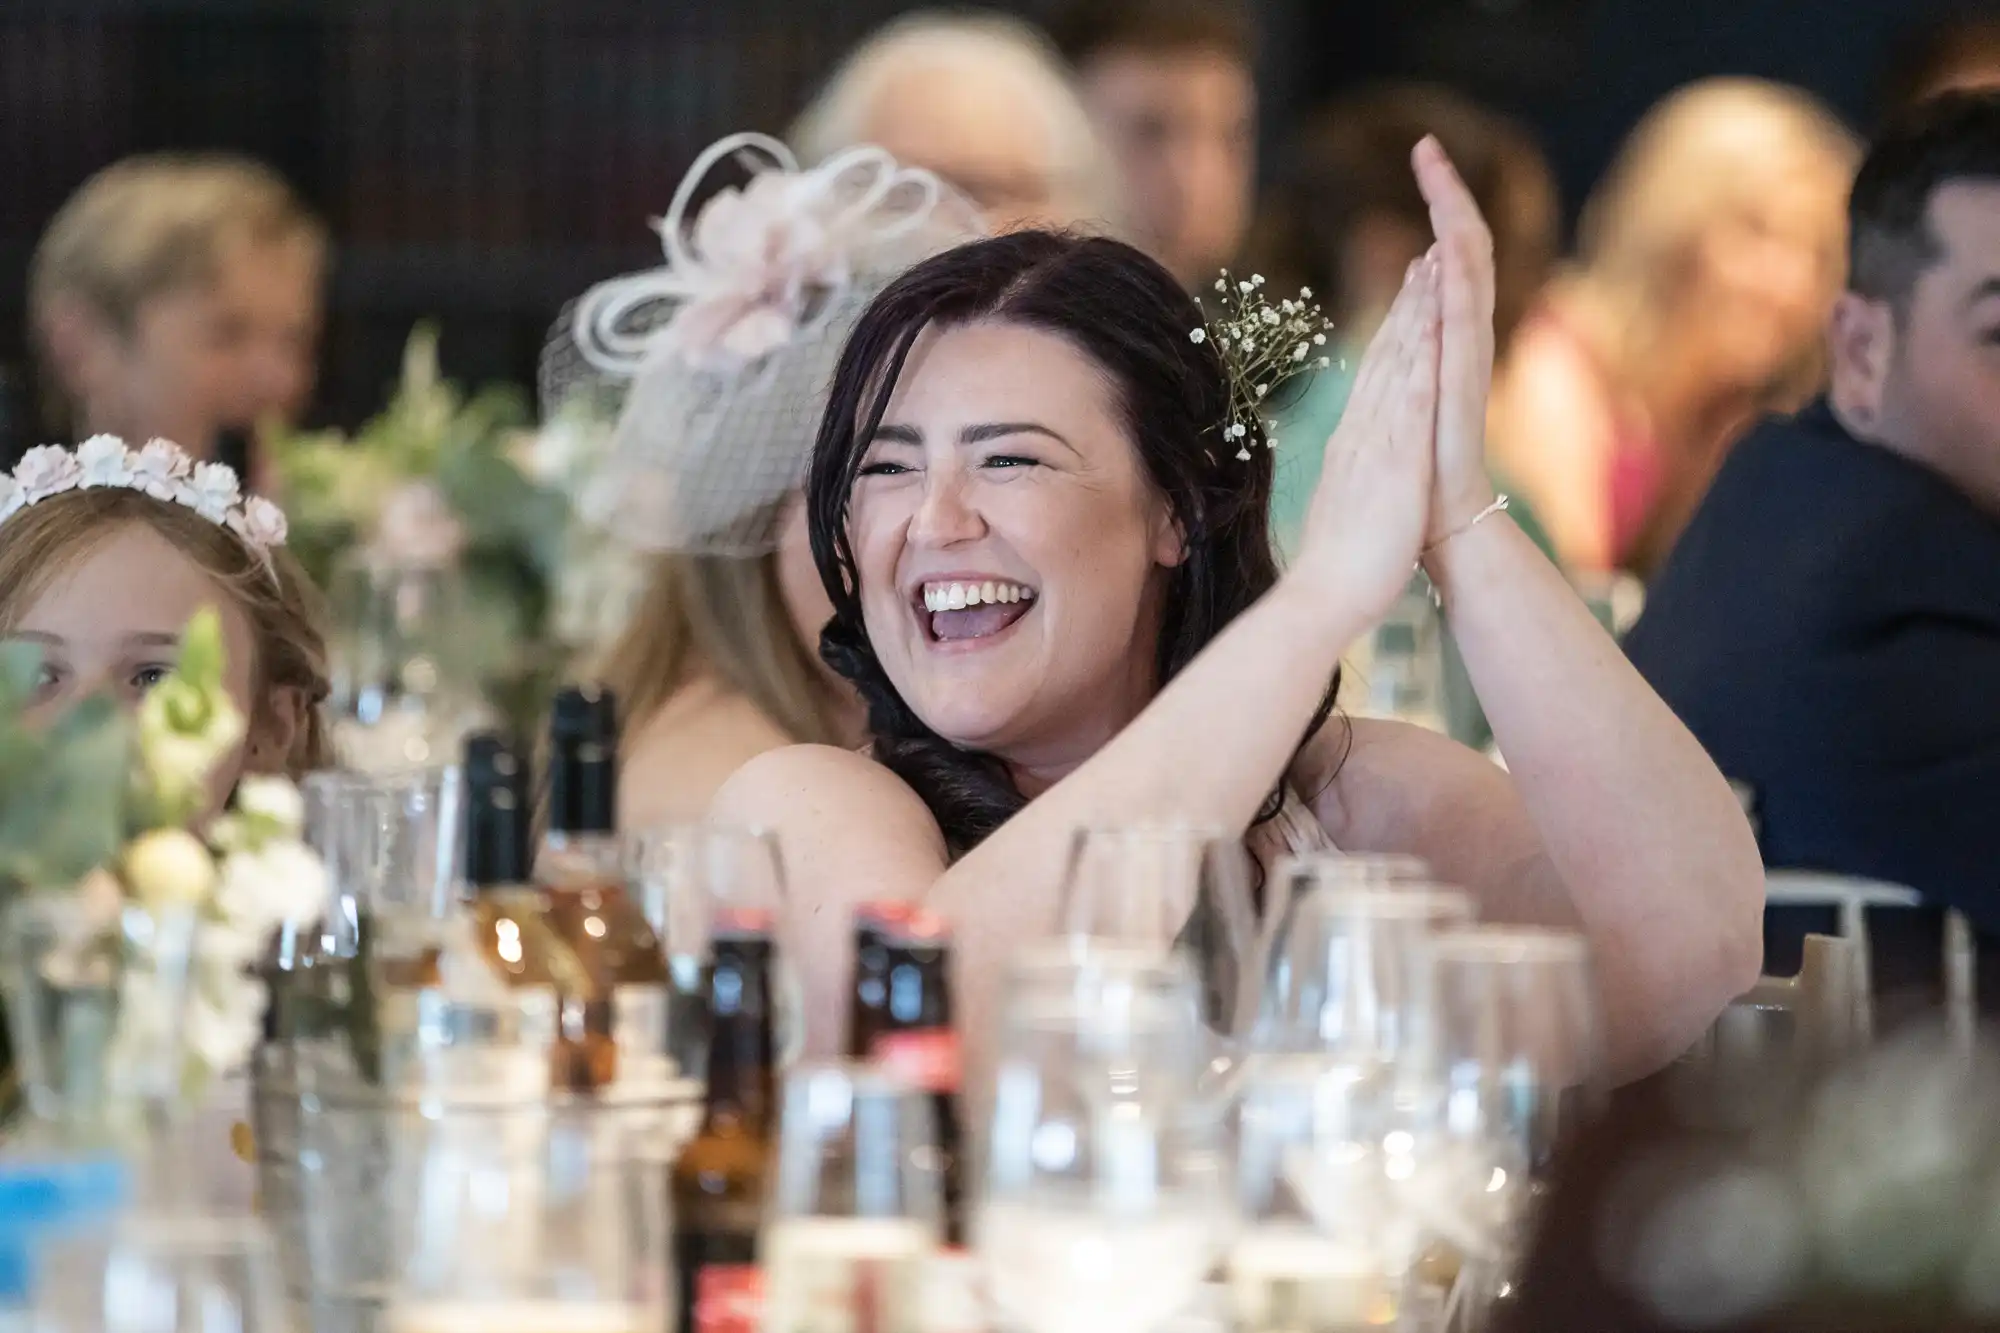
(724,617)
(285,612)
(1713,146)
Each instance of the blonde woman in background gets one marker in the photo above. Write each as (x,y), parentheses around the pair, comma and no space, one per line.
(719,364)
(982,100)
(1707,259)
(178,297)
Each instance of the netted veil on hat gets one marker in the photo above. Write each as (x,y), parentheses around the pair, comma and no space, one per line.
(710,373)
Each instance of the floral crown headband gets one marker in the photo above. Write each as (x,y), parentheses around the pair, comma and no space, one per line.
(1263,346)
(161,468)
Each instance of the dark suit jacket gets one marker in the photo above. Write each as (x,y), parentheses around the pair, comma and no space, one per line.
(1829,627)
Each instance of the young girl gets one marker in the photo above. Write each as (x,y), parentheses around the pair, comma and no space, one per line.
(107,551)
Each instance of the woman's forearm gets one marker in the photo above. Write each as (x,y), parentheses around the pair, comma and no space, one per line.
(1646,837)
(1207,749)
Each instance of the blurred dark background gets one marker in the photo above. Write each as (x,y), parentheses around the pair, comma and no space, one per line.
(480,161)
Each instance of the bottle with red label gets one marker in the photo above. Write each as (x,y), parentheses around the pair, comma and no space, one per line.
(900,1018)
(718,1180)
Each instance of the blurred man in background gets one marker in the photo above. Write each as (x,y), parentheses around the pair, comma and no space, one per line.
(1171,87)
(178,296)
(980,99)
(1829,626)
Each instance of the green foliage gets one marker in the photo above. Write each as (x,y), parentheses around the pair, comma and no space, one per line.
(62,785)
(334,490)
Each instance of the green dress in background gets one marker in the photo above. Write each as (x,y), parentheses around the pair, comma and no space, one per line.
(1301,430)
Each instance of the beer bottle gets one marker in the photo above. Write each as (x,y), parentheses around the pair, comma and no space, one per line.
(901,1020)
(509,912)
(718,1180)
(622,1025)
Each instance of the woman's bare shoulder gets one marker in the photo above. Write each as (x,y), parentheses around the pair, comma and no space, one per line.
(830,798)
(678,759)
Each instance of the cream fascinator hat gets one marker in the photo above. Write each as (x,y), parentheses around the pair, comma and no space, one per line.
(711,372)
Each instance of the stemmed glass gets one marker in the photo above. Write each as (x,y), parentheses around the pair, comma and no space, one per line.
(1323,1245)
(1179,889)
(1508,1060)
(856,1201)
(403,696)
(691,880)
(1347,973)
(1105,1203)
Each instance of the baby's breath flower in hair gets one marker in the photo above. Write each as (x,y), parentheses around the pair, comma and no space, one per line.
(1262,346)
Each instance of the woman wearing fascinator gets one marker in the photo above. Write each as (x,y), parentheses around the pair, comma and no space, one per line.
(108,550)
(1038,504)
(715,367)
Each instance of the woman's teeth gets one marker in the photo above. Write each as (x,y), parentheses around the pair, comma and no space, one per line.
(958,596)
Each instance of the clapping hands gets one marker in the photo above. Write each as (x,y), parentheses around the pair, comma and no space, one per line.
(1406,470)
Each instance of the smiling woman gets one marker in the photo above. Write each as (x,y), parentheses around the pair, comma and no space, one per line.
(1036,415)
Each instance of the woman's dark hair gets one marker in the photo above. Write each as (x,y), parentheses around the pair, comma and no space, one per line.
(1132,318)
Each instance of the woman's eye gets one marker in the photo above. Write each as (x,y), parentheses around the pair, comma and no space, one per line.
(48,680)
(146,677)
(1010,460)
(882,470)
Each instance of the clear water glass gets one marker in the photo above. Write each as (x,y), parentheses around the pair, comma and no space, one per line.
(164,1273)
(404,664)
(1105,1203)
(856,1203)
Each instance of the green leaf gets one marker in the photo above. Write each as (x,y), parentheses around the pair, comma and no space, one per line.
(20,668)
(200,662)
(71,818)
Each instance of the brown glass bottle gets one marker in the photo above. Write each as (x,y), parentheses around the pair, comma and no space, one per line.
(901,1019)
(509,912)
(623,1025)
(718,1180)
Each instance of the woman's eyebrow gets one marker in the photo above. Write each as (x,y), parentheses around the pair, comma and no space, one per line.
(898,435)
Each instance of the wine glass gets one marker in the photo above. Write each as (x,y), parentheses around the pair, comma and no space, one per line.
(403,694)
(1347,972)
(856,1202)
(1506,1063)
(1323,1244)
(1104,1205)
(691,880)
(1172,888)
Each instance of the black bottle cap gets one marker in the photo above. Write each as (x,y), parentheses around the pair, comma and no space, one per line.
(583,760)
(497,813)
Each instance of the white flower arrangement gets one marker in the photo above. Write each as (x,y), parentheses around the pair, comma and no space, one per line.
(159,468)
(1262,346)
(235,882)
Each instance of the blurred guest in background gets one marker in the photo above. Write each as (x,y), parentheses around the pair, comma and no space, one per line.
(1344,218)
(720,363)
(1707,259)
(178,297)
(1829,627)
(1171,86)
(984,101)
(1960,54)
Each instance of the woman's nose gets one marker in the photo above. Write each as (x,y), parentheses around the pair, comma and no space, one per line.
(946,514)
